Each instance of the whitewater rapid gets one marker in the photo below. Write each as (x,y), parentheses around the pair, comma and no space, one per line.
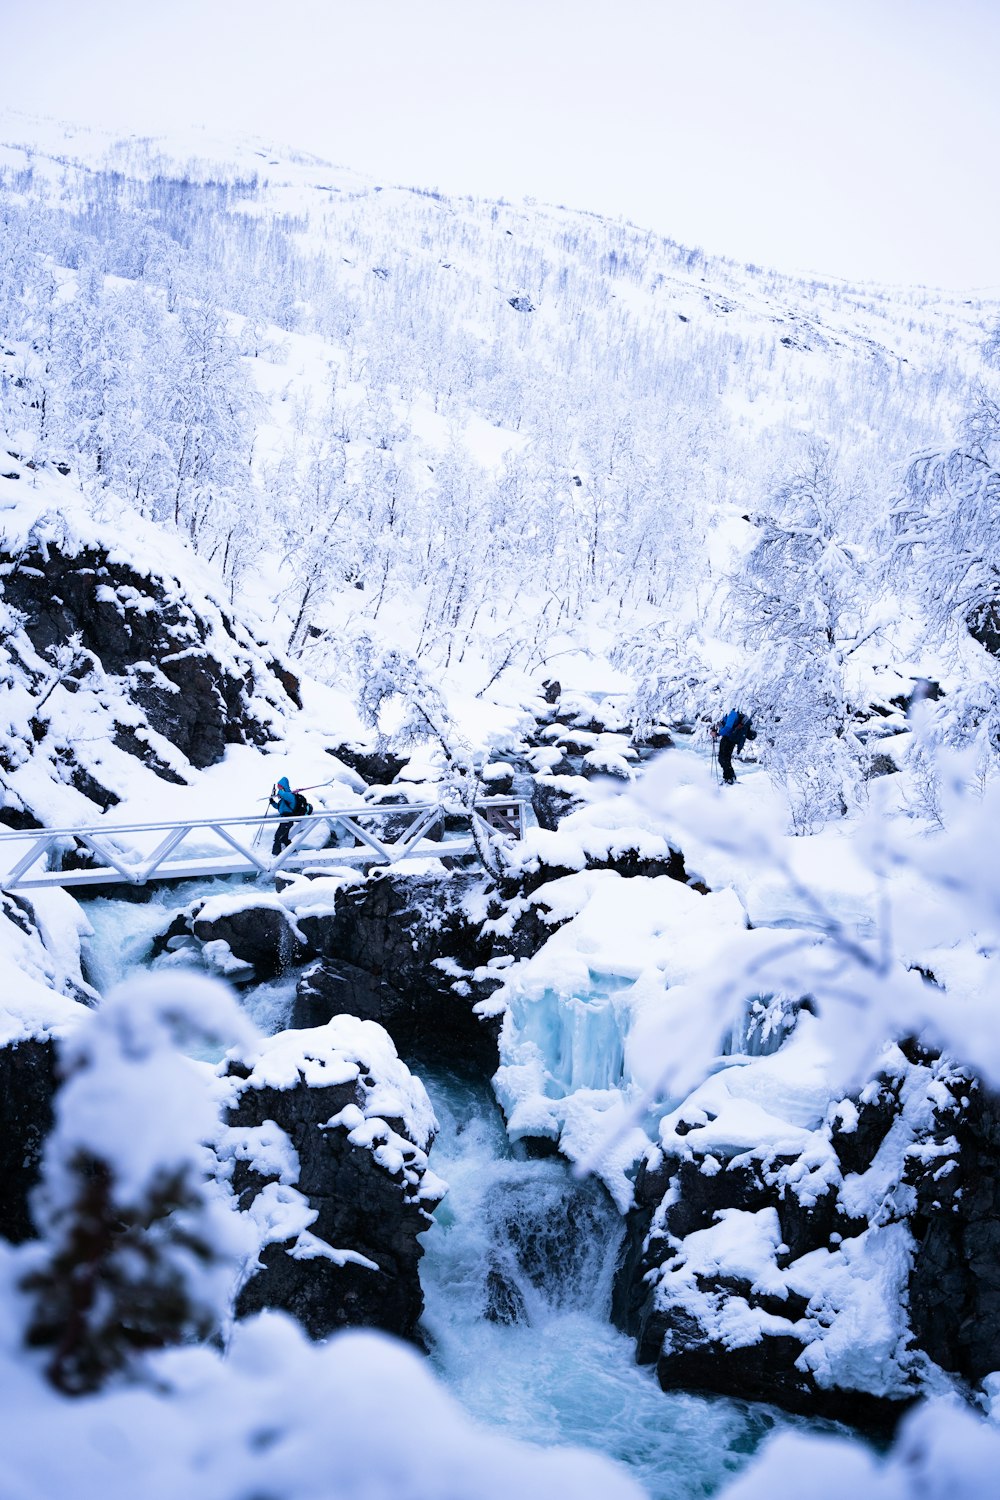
(517,1272)
(525,1239)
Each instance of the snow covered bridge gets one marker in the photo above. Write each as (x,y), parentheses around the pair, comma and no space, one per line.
(136,853)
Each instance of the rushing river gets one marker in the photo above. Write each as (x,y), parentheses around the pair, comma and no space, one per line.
(524,1240)
(517,1272)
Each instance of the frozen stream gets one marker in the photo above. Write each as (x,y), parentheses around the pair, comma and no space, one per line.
(517,1271)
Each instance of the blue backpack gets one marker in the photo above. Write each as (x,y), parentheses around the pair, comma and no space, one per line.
(729,723)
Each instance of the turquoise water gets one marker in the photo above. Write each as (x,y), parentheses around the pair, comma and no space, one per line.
(121,940)
(516,1240)
(526,1239)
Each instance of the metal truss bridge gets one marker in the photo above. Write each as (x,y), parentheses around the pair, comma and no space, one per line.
(321,841)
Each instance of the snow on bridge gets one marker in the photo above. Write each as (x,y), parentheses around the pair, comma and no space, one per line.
(136,853)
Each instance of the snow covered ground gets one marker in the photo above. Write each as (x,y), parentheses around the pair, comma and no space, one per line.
(672,483)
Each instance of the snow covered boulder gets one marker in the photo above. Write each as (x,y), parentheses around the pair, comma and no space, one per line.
(327,1139)
(654,739)
(555,797)
(782,1235)
(582,843)
(602,762)
(256,930)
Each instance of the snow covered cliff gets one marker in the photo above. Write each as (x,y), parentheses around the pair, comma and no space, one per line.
(112,666)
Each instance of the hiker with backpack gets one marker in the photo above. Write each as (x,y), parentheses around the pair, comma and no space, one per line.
(734,731)
(288,804)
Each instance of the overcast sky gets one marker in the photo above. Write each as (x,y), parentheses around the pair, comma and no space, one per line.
(857,138)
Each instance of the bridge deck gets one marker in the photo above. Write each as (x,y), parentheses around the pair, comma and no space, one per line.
(328,839)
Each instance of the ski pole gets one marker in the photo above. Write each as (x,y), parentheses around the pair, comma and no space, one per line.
(314,787)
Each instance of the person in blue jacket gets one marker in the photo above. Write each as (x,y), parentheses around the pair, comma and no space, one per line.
(282,798)
(734,731)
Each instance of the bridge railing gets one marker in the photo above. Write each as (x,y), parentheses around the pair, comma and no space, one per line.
(365,833)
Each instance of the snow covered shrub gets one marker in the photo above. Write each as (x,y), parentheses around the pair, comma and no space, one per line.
(138,1248)
(969,716)
(889,936)
(942,1452)
(361,1417)
(67,658)
(966,721)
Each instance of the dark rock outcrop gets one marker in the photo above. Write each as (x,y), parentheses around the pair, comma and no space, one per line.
(954,1289)
(27,1086)
(402,951)
(683,1338)
(376,767)
(504,1299)
(705,1216)
(355,1190)
(143,630)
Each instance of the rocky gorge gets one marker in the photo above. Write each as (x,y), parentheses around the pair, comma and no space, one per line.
(834,1254)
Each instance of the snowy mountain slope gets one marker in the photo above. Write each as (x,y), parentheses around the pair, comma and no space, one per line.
(488,474)
(515,442)
(268,179)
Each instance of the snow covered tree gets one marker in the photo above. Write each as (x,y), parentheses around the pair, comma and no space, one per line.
(673,681)
(315,521)
(138,1247)
(393,675)
(98,359)
(945,527)
(943,548)
(210,422)
(796,603)
(389,511)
